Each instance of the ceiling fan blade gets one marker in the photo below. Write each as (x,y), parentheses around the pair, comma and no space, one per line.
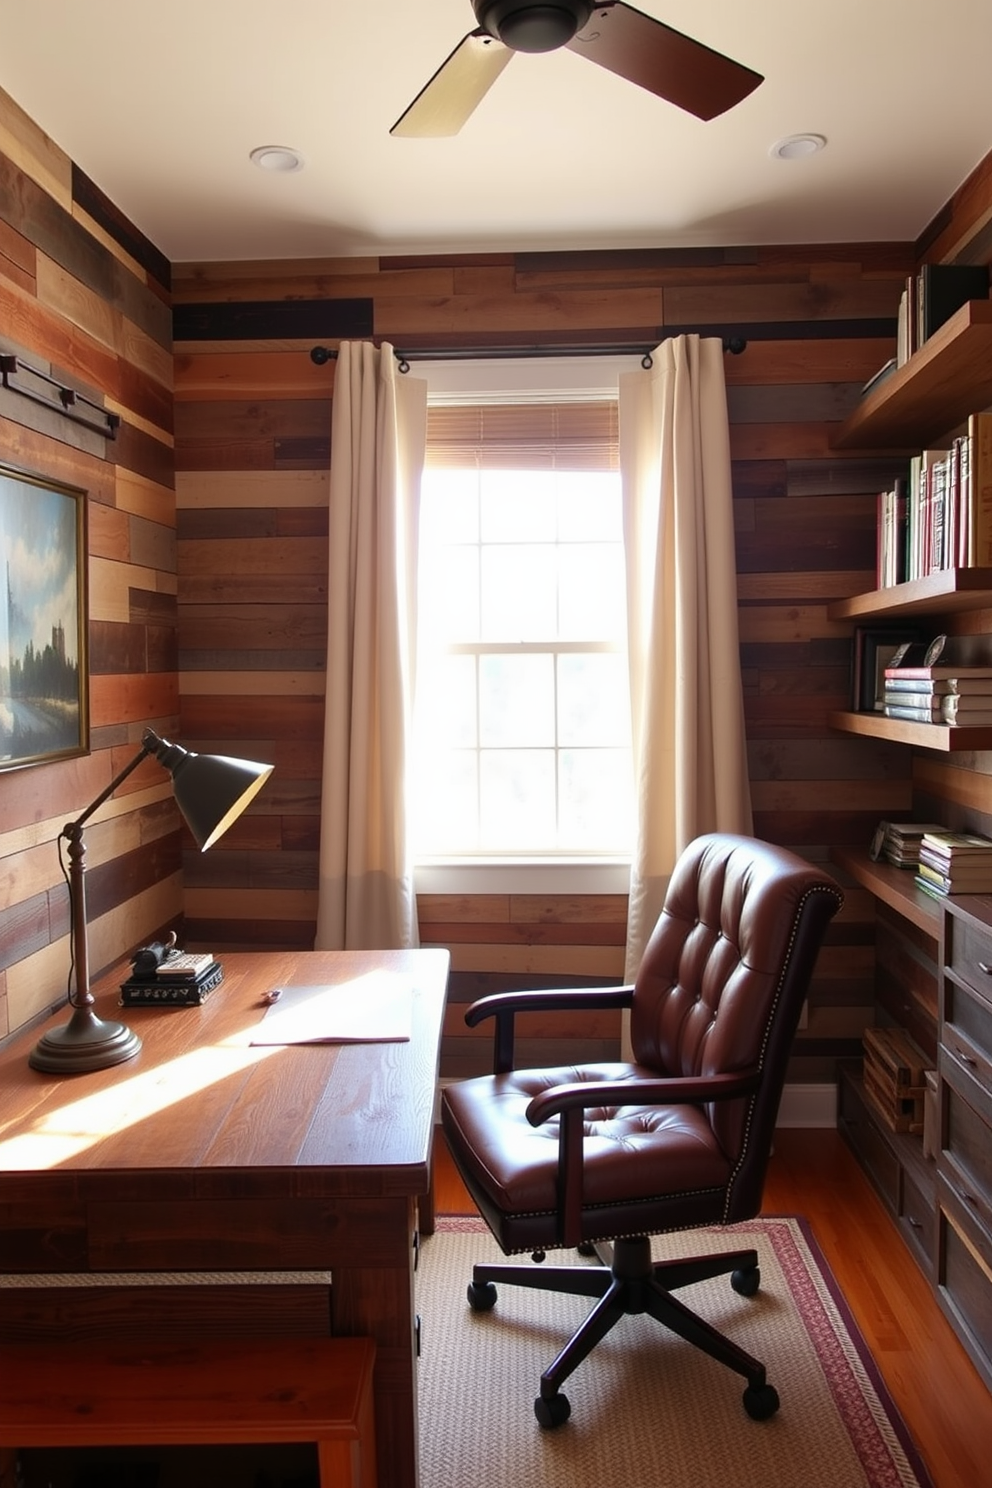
(456,89)
(664,61)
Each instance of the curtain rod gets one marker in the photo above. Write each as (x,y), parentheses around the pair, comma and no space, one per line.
(321,354)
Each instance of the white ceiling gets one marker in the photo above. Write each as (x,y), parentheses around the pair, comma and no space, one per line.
(160,101)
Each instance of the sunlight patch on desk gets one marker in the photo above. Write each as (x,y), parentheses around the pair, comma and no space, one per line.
(60,1135)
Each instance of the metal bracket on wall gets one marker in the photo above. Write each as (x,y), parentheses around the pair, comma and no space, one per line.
(68,399)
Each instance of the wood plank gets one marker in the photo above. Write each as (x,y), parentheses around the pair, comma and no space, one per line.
(839,299)
(250,488)
(231,376)
(399,317)
(29,148)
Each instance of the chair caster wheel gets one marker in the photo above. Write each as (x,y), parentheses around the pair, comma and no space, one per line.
(760,1401)
(481,1296)
(552,1411)
(746,1282)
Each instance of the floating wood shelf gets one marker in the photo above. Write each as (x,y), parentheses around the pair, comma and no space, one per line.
(923,735)
(951,589)
(893,886)
(931,393)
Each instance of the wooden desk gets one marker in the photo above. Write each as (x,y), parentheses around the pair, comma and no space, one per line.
(206,1154)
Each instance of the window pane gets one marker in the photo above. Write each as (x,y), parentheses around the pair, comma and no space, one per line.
(446,704)
(449,595)
(518,506)
(519,586)
(446,803)
(449,507)
(517,788)
(589,508)
(592,593)
(516,701)
(596,799)
(593,700)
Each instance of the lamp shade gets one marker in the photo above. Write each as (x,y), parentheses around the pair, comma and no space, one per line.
(212,790)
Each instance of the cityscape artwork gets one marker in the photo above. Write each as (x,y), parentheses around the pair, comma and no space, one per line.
(43,673)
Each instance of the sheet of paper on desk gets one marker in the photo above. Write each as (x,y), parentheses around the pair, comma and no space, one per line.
(371,1009)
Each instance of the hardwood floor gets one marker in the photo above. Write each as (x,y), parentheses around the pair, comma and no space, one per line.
(936,1388)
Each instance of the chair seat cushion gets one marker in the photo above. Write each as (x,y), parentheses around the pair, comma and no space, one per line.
(515,1165)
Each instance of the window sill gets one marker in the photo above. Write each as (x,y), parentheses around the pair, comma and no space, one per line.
(523,876)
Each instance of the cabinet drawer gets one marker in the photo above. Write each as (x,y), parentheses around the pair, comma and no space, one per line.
(967,1031)
(969,954)
(965,1158)
(965,1284)
(874,1151)
(917,1220)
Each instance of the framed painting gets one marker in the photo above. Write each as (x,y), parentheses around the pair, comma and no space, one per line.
(874,650)
(44,677)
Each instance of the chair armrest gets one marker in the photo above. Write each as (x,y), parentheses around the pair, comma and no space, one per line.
(570,1102)
(503,1006)
(679,1090)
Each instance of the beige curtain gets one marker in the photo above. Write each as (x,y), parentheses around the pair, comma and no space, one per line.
(378,428)
(690,761)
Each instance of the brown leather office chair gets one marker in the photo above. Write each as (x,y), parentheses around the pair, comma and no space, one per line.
(675,1139)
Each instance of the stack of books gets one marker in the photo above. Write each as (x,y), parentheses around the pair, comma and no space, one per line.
(955,863)
(179,980)
(955,695)
(900,843)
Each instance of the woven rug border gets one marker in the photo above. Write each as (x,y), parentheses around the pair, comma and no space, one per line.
(474,1224)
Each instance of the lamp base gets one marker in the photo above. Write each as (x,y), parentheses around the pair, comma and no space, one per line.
(85,1043)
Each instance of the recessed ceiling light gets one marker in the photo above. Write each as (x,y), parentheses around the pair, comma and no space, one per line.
(276,158)
(798,146)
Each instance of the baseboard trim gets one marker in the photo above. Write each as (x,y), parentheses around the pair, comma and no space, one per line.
(801,1105)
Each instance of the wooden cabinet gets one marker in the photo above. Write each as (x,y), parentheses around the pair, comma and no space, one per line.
(944,1207)
(964,1160)
(903,1177)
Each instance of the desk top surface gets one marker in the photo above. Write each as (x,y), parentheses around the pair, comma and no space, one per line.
(200,1099)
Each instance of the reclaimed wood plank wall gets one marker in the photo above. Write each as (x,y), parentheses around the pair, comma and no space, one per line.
(252,431)
(83,294)
(85,299)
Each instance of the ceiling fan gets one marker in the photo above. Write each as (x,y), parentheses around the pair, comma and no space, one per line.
(612,34)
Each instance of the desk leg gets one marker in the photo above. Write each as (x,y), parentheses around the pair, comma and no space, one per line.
(425,1205)
(378,1302)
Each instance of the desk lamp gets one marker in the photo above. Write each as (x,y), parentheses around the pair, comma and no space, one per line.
(211,790)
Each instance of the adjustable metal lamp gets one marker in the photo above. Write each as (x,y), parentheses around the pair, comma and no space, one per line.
(211,791)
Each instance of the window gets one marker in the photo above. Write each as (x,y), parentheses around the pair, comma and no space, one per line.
(523,717)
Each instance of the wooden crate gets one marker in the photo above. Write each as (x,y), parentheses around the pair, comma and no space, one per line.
(895,1078)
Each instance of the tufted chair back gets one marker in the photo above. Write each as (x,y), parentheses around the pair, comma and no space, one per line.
(722,981)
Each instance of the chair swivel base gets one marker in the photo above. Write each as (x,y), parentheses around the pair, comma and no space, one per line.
(633,1283)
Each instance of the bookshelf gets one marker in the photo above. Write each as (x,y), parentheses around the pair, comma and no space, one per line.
(924,400)
(931,393)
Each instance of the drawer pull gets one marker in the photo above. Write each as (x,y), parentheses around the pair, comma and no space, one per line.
(967,1197)
(917,1224)
(967,1059)
(984,966)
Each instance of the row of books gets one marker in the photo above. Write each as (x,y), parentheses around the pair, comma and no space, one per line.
(958,696)
(939,516)
(931,296)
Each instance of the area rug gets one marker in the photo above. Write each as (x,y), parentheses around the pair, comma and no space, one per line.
(648,1410)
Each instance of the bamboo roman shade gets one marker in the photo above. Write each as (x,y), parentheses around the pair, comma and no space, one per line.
(528,436)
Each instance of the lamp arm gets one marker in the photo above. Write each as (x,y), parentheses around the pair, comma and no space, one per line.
(150,744)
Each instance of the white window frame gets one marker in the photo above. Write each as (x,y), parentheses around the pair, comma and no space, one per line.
(512,380)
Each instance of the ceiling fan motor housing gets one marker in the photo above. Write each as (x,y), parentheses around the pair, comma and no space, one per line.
(533,27)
